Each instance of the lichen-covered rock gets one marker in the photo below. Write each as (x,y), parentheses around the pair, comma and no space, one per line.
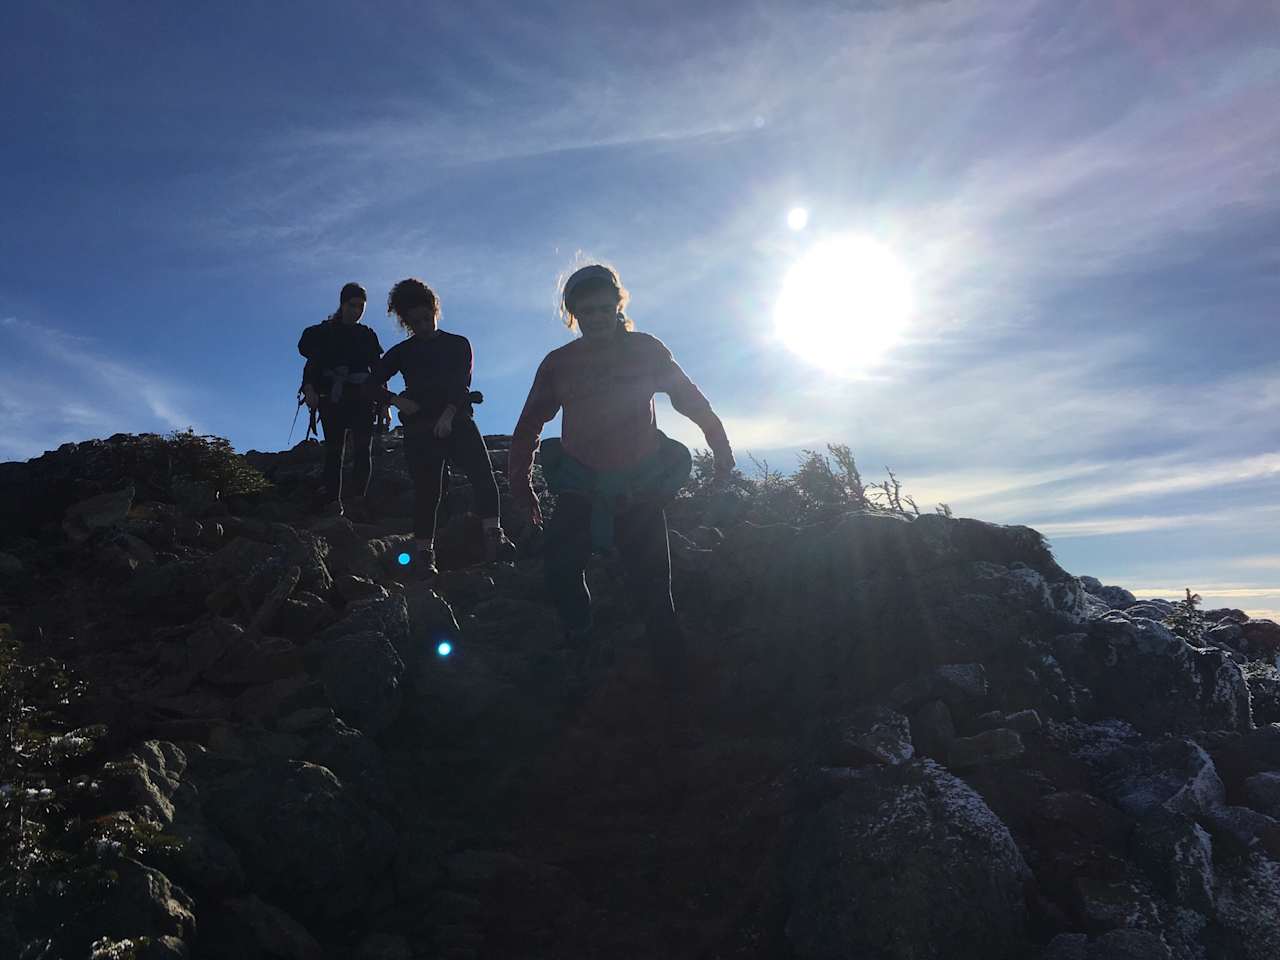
(1176,775)
(1246,901)
(1139,671)
(1177,854)
(880,869)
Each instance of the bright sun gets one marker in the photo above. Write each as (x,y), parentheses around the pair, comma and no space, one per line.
(844,304)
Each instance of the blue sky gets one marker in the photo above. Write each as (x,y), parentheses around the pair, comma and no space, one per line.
(1086,196)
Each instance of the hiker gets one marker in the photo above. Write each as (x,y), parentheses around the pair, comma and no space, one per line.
(612,471)
(439,426)
(340,353)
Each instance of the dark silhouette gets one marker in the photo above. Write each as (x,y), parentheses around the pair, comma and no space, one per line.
(340,353)
(612,471)
(436,410)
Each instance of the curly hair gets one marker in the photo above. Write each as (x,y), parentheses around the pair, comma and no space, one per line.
(406,295)
(593,278)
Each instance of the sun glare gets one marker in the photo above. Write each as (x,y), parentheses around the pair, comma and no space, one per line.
(797,218)
(844,304)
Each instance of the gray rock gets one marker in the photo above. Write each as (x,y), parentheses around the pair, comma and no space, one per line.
(266,930)
(1139,671)
(959,685)
(932,730)
(990,746)
(1242,830)
(97,513)
(1176,775)
(11,567)
(1177,855)
(154,777)
(1262,791)
(310,845)
(1114,945)
(873,735)
(142,902)
(886,862)
(354,589)
(361,674)
(1246,905)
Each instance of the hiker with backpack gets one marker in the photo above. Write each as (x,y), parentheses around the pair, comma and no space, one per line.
(612,470)
(340,352)
(439,426)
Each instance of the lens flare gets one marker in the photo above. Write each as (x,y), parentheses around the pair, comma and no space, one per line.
(403,559)
(844,304)
(444,649)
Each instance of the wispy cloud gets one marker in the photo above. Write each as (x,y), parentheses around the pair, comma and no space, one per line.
(58,387)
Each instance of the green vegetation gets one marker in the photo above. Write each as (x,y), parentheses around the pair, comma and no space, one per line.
(1186,621)
(823,486)
(183,467)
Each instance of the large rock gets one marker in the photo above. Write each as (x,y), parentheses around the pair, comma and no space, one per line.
(155,778)
(97,513)
(880,870)
(310,845)
(1139,671)
(362,679)
(1176,775)
(1246,906)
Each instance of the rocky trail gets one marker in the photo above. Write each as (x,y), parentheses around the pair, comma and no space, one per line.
(901,738)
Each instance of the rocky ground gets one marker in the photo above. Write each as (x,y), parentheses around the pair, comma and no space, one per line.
(903,739)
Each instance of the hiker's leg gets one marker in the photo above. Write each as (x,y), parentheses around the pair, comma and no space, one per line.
(567,549)
(334,425)
(362,456)
(640,532)
(425,459)
(468,451)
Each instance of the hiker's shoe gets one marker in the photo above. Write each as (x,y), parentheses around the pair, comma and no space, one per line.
(497,548)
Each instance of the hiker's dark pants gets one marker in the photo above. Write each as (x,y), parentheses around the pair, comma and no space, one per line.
(337,419)
(426,457)
(640,534)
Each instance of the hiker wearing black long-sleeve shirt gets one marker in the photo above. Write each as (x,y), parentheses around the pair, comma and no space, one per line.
(435,409)
(340,354)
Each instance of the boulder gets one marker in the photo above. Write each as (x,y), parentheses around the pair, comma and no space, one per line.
(990,746)
(1262,637)
(1246,900)
(1176,775)
(310,844)
(1139,671)
(155,779)
(1177,855)
(97,513)
(362,680)
(1262,791)
(879,869)
(872,735)
(249,928)
(932,730)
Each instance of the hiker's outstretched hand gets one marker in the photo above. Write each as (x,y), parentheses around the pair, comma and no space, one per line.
(406,405)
